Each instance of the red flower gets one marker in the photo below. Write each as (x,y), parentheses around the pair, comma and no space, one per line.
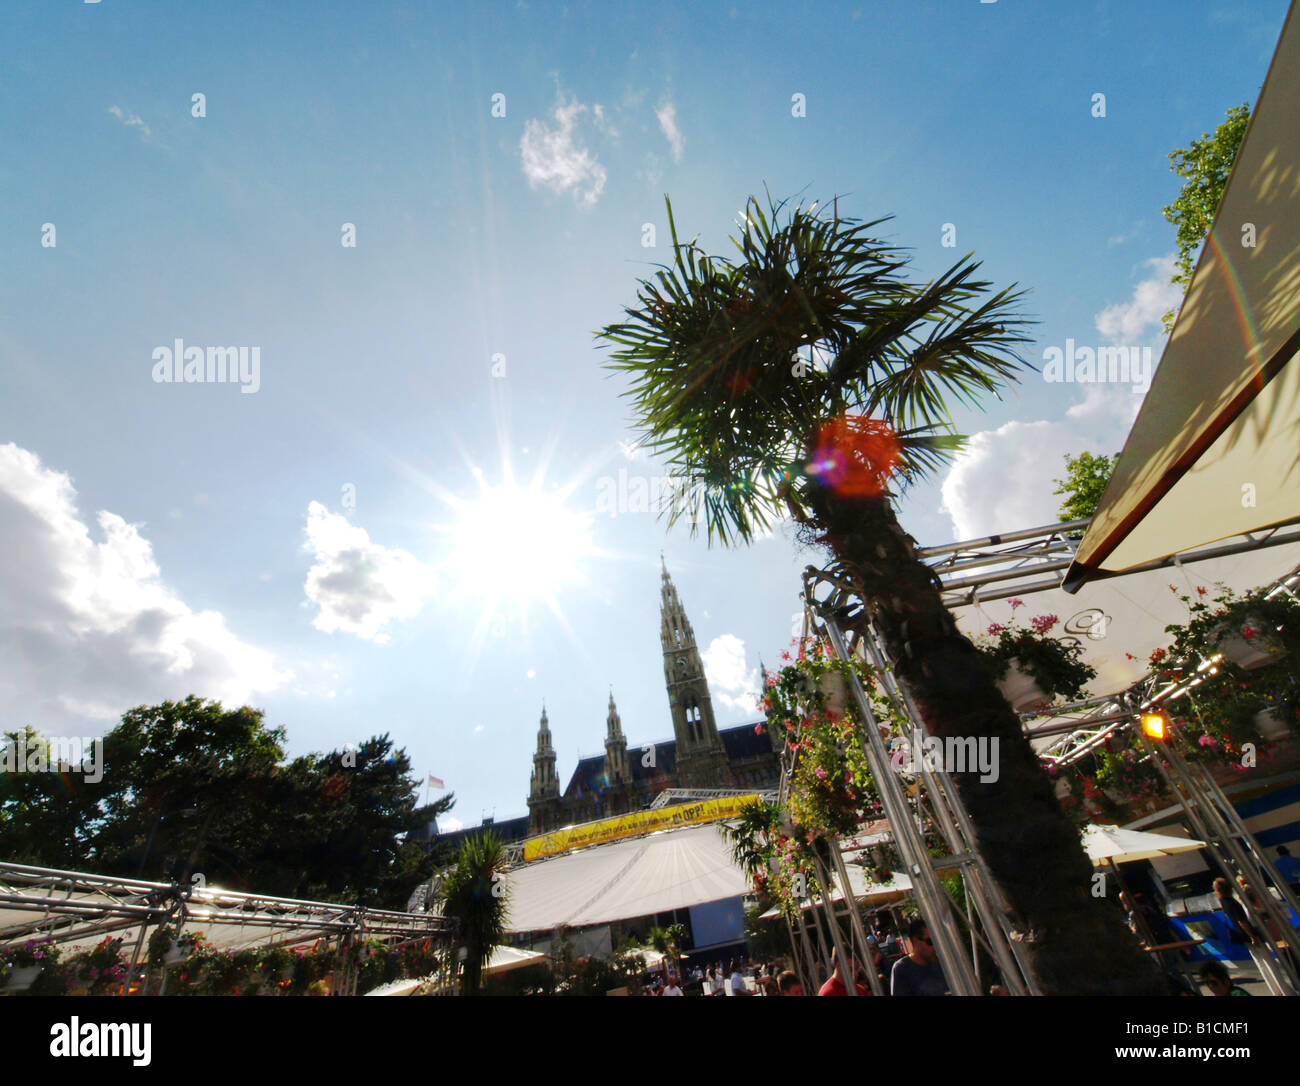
(1200,591)
(1248,632)
(758,729)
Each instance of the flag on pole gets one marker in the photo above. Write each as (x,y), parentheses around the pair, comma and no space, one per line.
(435,782)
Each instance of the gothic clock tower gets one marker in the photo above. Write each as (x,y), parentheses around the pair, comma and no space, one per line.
(701,757)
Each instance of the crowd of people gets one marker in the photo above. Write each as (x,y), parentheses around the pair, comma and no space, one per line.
(905,968)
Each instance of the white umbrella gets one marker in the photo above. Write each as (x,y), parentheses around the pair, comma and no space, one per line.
(506,958)
(1112,844)
(397,988)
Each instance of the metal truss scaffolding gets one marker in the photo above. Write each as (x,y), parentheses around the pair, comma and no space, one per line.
(932,807)
(76,907)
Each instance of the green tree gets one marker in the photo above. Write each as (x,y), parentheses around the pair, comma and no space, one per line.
(190,788)
(1085,482)
(474,894)
(809,375)
(1204,167)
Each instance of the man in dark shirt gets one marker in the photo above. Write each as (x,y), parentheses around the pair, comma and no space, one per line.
(918,974)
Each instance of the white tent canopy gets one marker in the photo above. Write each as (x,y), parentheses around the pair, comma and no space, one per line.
(1215,450)
(672,869)
(1118,622)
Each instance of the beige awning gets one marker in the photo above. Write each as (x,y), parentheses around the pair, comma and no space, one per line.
(1215,450)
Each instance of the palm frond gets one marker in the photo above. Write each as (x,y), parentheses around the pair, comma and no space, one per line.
(715,346)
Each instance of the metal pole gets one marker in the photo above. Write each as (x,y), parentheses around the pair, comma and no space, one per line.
(841,955)
(806,963)
(1211,825)
(135,958)
(855,920)
(933,900)
(989,901)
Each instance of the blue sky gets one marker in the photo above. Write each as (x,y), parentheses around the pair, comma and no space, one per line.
(297,548)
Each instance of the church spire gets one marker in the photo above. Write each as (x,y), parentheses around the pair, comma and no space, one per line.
(544,782)
(701,758)
(617,766)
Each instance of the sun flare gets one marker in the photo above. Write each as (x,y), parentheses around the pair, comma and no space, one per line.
(514,545)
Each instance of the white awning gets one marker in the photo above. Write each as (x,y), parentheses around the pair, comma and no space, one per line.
(1112,844)
(1119,622)
(1215,450)
(672,869)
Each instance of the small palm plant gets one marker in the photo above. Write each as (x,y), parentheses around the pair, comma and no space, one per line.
(474,895)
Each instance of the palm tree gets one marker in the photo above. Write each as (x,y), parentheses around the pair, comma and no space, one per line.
(748,836)
(474,894)
(809,376)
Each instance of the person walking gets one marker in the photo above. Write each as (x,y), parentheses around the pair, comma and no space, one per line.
(1241,931)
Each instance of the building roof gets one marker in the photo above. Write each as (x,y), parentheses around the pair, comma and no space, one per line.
(508,829)
(743,742)
(589,774)
(740,742)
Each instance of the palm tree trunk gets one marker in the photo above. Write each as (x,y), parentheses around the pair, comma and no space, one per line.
(1077,944)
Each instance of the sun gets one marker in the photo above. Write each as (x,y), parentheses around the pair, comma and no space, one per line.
(512,546)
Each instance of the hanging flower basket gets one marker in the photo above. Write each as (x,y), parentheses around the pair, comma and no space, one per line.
(836,691)
(1249,643)
(21,977)
(1020,688)
(1272,724)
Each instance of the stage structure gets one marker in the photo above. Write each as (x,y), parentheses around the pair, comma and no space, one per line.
(77,908)
(826,930)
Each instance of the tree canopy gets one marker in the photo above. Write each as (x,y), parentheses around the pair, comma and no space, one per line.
(1084,484)
(1205,167)
(191,788)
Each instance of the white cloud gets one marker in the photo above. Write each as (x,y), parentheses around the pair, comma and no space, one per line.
(1004,479)
(554,156)
(730,682)
(449,824)
(131,120)
(1128,322)
(360,586)
(91,629)
(667,114)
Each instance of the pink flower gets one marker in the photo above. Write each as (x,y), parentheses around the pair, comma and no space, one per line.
(771,681)
(995,628)
(821,773)
(1043,623)
(785,656)
(1016,603)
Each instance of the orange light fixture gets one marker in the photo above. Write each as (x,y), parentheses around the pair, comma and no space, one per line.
(1155,725)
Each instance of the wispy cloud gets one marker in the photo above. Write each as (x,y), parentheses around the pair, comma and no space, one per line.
(131,120)
(554,156)
(667,114)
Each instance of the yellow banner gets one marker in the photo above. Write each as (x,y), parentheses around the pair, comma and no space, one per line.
(632,825)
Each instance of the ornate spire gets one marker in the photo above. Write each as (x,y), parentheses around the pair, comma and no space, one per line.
(613,725)
(675,628)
